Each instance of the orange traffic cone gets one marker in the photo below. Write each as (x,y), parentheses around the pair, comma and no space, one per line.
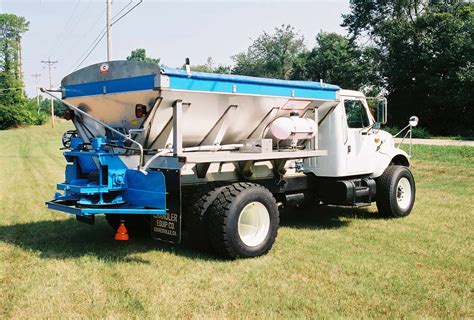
(121,232)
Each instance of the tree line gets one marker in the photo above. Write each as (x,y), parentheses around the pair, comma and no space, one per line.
(416,52)
(15,108)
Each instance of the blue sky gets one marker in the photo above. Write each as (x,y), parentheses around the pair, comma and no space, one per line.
(171,30)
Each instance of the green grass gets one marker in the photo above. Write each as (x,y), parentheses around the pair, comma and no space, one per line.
(335,262)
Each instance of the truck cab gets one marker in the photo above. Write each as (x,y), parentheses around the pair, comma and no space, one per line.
(351,134)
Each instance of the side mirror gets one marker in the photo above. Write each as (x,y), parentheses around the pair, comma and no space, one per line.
(413,121)
(381,111)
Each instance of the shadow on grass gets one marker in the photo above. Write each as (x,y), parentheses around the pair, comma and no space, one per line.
(69,239)
(324,217)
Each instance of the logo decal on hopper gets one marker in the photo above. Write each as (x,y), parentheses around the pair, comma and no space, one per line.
(104,68)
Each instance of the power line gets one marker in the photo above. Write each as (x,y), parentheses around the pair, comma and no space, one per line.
(130,10)
(84,34)
(92,49)
(36,76)
(50,64)
(121,10)
(74,27)
(108,25)
(64,29)
(89,49)
(101,35)
(96,20)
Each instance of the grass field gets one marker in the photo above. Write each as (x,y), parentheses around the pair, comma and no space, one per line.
(335,262)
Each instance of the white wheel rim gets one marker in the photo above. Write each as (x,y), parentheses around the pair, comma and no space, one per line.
(403,193)
(253,224)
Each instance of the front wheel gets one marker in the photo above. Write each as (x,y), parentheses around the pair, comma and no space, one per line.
(395,192)
(243,221)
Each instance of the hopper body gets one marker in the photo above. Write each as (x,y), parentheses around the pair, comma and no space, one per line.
(217,108)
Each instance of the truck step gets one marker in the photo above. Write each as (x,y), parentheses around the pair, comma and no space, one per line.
(361,204)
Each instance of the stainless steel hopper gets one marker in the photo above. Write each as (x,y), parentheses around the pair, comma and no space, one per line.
(217,109)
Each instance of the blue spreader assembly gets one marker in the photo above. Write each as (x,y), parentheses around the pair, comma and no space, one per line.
(98,182)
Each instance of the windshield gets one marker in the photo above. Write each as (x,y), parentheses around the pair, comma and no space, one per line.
(356,114)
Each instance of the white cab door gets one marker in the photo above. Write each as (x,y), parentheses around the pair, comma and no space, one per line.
(359,142)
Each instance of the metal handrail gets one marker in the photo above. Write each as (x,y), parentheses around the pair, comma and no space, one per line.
(125,136)
(410,131)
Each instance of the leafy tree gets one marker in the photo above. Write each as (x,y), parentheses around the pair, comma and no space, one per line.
(222,69)
(25,113)
(15,109)
(14,115)
(12,28)
(45,107)
(336,60)
(271,55)
(425,54)
(209,67)
(140,55)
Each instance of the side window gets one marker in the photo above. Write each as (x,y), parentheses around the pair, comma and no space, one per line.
(356,114)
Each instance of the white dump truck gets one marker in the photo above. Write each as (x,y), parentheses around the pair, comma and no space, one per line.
(213,156)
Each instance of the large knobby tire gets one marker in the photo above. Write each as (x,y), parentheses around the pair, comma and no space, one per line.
(395,192)
(243,221)
(136,224)
(195,214)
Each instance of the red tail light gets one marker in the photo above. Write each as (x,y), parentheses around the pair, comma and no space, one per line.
(140,110)
(69,114)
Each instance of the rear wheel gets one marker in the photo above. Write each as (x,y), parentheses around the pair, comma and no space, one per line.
(243,221)
(395,192)
(195,214)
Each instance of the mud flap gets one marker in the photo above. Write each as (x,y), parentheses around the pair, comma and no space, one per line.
(145,190)
(167,227)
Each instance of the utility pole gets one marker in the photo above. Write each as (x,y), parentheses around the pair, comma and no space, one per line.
(109,36)
(36,76)
(50,63)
